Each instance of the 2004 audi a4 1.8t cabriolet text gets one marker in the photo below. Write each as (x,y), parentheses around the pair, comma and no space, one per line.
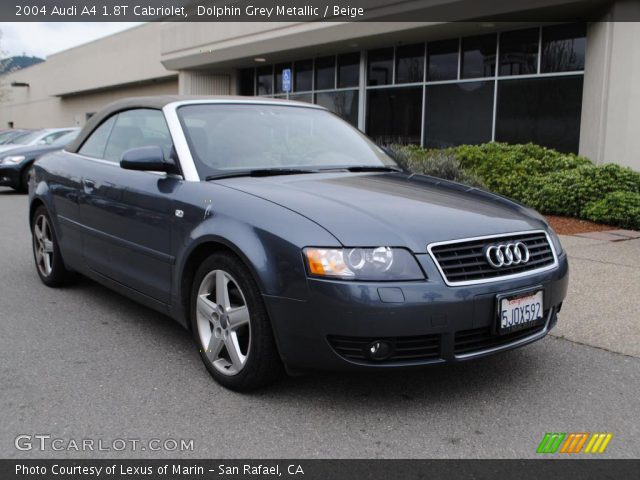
(284,239)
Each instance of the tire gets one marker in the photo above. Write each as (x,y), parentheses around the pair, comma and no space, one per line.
(232,330)
(46,251)
(24,180)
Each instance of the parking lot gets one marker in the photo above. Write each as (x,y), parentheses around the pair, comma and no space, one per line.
(83,362)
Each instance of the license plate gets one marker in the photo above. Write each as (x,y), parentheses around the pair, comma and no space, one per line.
(516,312)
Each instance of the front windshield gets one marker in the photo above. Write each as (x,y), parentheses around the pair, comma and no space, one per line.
(27,138)
(237,137)
(8,135)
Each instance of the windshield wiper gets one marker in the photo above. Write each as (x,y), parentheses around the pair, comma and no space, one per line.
(261,172)
(365,168)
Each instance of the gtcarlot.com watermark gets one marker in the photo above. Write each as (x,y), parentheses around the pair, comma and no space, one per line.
(46,442)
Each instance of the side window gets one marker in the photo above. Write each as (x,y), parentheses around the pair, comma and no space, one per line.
(95,145)
(138,128)
(49,139)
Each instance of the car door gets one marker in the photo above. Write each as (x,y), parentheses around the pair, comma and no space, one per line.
(128,215)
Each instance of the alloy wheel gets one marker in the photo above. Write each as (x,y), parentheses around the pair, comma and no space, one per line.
(43,245)
(223,322)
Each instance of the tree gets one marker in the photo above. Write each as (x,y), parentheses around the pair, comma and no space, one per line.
(4,88)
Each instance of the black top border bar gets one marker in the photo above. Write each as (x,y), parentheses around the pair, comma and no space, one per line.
(319,10)
(319,469)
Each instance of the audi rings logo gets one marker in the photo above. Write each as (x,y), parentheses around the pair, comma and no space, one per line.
(506,255)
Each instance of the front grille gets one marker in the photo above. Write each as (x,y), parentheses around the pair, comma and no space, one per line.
(464,261)
(405,349)
(478,339)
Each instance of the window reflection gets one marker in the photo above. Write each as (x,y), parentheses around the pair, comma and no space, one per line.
(519,52)
(395,115)
(458,113)
(380,70)
(343,103)
(543,110)
(442,59)
(303,74)
(265,80)
(348,70)
(410,63)
(325,73)
(563,48)
(479,56)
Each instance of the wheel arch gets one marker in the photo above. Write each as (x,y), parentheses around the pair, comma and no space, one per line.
(35,204)
(198,252)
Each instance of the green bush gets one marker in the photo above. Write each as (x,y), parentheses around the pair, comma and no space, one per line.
(545,179)
(616,208)
(568,192)
(437,163)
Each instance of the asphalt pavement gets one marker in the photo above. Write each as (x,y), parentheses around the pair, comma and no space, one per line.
(85,363)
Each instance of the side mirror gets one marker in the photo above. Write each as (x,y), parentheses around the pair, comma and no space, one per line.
(149,159)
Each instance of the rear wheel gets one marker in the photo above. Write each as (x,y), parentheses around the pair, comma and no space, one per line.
(46,252)
(231,326)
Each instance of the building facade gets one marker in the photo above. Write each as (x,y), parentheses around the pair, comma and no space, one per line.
(570,86)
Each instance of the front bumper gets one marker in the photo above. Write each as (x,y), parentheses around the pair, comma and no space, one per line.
(10,175)
(427,322)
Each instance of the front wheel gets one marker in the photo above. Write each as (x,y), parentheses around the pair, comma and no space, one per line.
(231,326)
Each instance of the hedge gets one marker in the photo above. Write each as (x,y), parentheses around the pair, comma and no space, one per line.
(551,182)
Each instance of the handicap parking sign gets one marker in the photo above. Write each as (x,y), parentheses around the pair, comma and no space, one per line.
(286,80)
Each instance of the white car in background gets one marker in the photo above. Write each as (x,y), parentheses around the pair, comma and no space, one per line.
(45,136)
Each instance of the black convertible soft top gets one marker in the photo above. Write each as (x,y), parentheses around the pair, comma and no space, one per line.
(155,102)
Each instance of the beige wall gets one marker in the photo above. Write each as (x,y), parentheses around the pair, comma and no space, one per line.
(69,111)
(610,130)
(121,65)
(129,56)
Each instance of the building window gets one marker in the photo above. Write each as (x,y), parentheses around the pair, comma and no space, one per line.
(442,60)
(458,113)
(479,56)
(563,48)
(348,70)
(395,115)
(410,63)
(265,80)
(343,103)
(247,82)
(302,97)
(380,71)
(519,52)
(513,86)
(303,76)
(314,81)
(543,110)
(326,73)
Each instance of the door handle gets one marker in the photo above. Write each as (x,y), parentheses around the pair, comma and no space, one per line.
(89,185)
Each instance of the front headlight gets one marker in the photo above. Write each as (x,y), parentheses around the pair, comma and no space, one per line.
(13,159)
(556,241)
(379,264)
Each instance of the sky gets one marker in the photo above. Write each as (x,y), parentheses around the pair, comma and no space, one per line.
(44,39)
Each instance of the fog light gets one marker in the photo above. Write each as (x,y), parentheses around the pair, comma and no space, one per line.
(379,350)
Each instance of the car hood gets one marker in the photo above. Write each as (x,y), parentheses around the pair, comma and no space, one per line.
(27,150)
(393,209)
